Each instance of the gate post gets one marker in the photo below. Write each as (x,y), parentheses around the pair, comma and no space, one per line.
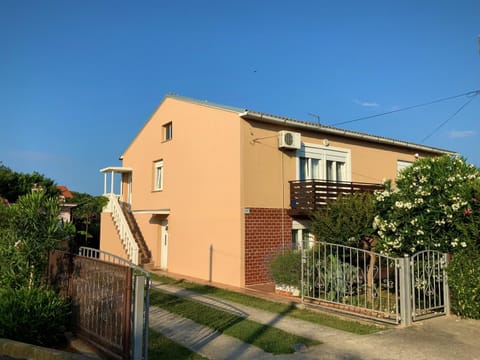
(446,289)
(302,270)
(405,292)
(138,309)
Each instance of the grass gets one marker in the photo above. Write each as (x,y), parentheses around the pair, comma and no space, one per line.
(161,347)
(268,338)
(315,317)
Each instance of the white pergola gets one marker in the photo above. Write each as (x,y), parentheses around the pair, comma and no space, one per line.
(112,170)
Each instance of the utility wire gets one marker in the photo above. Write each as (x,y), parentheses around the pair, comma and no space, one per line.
(451,117)
(469,93)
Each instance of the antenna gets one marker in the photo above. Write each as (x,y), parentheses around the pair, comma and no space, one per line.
(316,116)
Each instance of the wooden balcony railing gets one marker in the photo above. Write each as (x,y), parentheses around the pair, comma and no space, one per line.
(310,195)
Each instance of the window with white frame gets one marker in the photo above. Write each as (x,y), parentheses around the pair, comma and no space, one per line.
(322,163)
(302,238)
(168,131)
(158,175)
(403,164)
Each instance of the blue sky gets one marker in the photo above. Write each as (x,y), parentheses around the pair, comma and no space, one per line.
(78,79)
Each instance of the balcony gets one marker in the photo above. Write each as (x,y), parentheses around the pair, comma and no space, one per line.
(307,196)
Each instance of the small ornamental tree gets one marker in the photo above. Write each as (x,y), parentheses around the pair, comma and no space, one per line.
(434,206)
(346,220)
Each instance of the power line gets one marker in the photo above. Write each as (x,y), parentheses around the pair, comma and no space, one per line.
(451,117)
(468,93)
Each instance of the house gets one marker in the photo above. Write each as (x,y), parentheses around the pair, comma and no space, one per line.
(212,191)
(65,207)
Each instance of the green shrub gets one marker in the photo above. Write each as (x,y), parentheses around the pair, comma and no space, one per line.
(348,220)
(286,268)
(36,316)
(464,283)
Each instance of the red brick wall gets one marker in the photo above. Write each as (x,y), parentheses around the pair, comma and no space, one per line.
(263,237)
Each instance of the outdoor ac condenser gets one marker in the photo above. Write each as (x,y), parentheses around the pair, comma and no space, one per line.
(289,140)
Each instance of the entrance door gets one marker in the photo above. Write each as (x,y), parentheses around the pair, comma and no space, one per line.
(164,245)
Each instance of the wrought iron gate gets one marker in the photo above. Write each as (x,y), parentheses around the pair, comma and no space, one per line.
(429,284)
(373,285)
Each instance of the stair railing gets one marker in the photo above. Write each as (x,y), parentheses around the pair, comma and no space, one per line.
(124,232)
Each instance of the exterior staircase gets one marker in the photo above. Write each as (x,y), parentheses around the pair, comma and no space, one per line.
(129,232)
(144,252)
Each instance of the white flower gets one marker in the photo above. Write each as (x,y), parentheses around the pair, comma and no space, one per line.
(463,244)
(399,204)
(420,232)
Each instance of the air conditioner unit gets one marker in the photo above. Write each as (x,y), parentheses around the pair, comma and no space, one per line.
(289,140)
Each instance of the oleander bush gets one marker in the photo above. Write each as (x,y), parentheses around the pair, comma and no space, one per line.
(29,312)
(433,206)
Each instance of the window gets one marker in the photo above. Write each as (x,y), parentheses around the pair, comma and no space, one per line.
(402,164)
(158,175)
(321,163)
(167,131)
(302,238)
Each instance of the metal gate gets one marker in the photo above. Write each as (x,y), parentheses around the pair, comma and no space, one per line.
(429,290)
(373,285)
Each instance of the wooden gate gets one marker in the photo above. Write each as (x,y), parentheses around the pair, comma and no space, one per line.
(100,293)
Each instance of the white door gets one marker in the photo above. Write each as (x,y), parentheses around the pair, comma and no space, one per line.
(164,245)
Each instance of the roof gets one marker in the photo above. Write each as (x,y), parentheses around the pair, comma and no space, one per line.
(299,124)
(117,169)
(206,103)
(65,192)
(324,129)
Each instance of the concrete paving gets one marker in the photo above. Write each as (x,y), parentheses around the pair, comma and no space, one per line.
(441,338)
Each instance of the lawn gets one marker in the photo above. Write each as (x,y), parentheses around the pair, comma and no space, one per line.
(161,347)
(316,317)
(268,338)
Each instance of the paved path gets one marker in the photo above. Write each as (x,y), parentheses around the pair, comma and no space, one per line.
(440,338)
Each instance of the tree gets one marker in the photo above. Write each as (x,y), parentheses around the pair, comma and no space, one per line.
(14,184)
(348,220)
(434,206)
(86,217)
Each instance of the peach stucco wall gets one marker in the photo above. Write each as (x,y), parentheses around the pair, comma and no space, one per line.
(109,239)
(201,188)
(268,170)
